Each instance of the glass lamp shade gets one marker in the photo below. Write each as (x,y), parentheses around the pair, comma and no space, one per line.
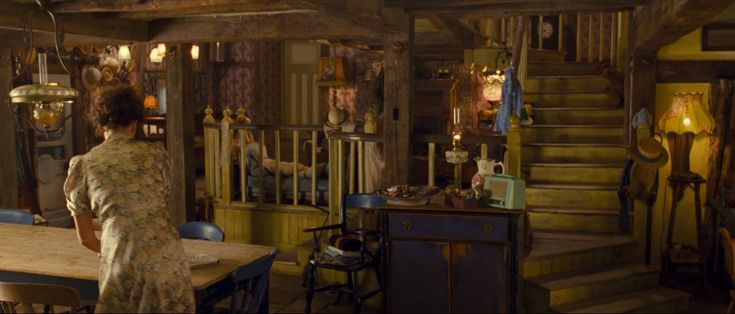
(48,115)
(194,52)
(687,115)
(156,56)
(123,53)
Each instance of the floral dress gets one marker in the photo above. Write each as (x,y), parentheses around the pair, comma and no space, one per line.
(143,267)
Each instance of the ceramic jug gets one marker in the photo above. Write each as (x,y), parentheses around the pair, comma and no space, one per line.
(485,167)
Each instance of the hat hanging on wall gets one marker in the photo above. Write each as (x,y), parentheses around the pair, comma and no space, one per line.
(650,153)
(90,76)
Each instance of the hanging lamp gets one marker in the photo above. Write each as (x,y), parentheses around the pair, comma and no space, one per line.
(48,98)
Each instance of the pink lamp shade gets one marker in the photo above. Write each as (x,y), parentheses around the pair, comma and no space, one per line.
(687,115)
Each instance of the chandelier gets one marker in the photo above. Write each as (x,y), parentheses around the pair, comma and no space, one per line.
(48,99)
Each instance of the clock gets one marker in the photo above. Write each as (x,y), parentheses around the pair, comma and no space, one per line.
(547,29)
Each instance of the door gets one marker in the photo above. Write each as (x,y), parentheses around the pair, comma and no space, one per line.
(419,276)
(480,278)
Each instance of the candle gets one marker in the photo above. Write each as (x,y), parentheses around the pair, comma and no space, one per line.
(455,115)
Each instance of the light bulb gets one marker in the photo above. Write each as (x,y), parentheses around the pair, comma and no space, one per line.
(194,52)
(155,56)
(123,53)
(687,121)
(161,49)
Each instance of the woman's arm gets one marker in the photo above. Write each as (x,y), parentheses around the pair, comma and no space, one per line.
(85,232)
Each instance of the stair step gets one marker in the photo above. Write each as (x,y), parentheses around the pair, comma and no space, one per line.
(573,153)
(581,285)
(559,252)
(570,100)
(563,68)
(598,116)
(570,186)
(654,300)
(567,219)
(595,83)
(573,173)
(564,134)
(570,125)
(570,196)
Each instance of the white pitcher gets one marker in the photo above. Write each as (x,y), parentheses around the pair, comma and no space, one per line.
(485,167)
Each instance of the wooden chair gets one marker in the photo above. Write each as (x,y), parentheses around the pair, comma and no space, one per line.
(251,285)
(201,230)
(368,259)
(16,216)
(27,294)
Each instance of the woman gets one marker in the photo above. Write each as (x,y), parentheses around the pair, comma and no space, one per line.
(126,182)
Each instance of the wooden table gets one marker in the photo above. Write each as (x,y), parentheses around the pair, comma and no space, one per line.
(54,255)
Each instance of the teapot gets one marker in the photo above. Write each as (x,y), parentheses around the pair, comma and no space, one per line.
(485,167)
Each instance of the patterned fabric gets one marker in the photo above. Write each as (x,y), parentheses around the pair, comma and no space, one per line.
(143,267)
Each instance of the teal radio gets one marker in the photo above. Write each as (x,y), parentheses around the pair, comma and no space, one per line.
(504,191)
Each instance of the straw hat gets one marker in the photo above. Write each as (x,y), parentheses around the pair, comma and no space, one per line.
(107,73)
(90,76)
(650,153)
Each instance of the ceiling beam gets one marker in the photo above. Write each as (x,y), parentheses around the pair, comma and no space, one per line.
(17,40)
(456,31)
(663,22)
(256,27)
(493,8)
(14,16)
(362,13)
(157,9)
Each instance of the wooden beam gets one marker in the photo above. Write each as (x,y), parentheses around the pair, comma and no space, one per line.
(456,31)
(398,97)
(256,27)
(14,16)
(17,40)
(179,132)
(362,13)
(693,71)
(156,9)
(663,22)
(8,155)
(642,80)
(492,8)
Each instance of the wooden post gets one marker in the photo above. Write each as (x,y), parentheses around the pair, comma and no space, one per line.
(226,161)
(398,94)
(180,131)
(8,161)
(642,87)
(514,147)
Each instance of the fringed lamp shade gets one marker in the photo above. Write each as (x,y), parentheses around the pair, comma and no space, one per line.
(685,119)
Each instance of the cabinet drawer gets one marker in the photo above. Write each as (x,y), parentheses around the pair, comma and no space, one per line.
(449,227)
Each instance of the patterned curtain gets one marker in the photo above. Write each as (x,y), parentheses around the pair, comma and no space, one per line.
(722,143)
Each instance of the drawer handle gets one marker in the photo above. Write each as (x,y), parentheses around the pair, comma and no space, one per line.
(488,228)
(407,225)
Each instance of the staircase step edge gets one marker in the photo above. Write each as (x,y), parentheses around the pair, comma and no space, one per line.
(573,165)
(645,297)
(611,145)
(573,211)
(568,186)
(578,278)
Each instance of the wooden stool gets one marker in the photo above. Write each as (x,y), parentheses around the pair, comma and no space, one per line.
(679,183)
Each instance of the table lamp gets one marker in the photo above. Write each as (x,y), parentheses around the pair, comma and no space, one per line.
(685,119)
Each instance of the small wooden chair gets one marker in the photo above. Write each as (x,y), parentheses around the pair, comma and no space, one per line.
(201,230)
(27,294)
(251,285)
(16,216)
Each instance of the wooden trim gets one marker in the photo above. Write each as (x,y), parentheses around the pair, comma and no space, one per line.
(693,71)
(728,44)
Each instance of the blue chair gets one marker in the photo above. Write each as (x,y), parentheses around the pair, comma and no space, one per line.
(251,286)
(16,216)
(201,230)
(368,259)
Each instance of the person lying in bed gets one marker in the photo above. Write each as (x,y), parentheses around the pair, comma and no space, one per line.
(287,168)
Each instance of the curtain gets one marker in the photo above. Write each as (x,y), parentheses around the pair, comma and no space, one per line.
(722,143)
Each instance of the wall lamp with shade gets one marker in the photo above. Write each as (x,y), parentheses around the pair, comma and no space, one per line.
(681,123)
(123,53)
(195,52)
(47,98)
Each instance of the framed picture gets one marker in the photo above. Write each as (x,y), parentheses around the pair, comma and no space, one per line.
(718,37)
(331,71)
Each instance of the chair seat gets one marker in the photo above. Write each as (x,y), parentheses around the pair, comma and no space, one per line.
(324,260)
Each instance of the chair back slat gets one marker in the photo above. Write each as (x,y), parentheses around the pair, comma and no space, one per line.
(252,281)
(359,200)
(32,293)
(201,230)
(16,216)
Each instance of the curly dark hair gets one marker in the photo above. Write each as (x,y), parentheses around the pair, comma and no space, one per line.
(115,106)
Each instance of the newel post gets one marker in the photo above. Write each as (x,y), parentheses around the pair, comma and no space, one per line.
(513,142)
(226,157)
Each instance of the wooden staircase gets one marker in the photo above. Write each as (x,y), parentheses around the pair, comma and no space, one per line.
(572,158)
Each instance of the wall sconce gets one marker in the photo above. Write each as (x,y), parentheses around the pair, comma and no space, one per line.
(159,52)
(161,48)
(194,52)
(155,56)
(123,53)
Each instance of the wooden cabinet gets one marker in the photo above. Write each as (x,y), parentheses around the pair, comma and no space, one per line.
(443,260)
